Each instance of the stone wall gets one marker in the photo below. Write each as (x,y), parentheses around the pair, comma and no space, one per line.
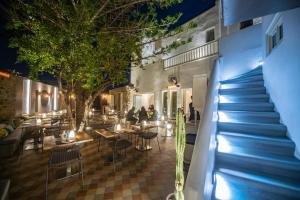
(8,88)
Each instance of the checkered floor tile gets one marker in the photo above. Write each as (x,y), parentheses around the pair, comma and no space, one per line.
(140,175)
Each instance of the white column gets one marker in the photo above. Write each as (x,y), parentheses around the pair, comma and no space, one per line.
(27,96)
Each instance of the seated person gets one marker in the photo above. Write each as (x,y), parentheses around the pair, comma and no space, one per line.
(143,115)
(153,115)
(131,115)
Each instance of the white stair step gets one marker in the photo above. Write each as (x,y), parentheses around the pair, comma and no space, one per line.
(259,106)
(253,128)
(244,80)
(243,91)
(248,116)
(242,85)
(255,98)
(237,185)
(278,167)
(276,146)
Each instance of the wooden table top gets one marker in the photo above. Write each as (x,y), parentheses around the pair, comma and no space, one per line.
(106,133)
(111,134)
(83,137)
(80,138)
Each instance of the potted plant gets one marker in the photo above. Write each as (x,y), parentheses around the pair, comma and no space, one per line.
(180,146)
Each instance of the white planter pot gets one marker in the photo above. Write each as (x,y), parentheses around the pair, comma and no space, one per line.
(171,197)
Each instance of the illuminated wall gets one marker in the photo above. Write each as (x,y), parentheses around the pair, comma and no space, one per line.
(282,71)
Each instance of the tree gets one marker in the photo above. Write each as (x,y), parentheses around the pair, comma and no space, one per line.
(87,45)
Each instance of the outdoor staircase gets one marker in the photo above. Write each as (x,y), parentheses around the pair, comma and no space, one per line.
(254,157)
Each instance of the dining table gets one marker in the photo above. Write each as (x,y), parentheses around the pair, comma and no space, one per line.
(80,137)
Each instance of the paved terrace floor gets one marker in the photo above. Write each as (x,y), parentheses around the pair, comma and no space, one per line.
(139,176)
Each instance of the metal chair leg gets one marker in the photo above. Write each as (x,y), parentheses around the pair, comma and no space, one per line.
(47,177)
(99,141)
(81,172)
(158,143)
(114,161)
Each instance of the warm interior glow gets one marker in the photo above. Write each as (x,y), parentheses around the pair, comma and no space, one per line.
(118,127)
(27,96)
(144,123)
(38,121)
(104,117)
(71,134)
(4,74)
(169,126)
(55,98)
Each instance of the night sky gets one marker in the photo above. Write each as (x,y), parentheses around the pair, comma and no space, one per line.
(189,8)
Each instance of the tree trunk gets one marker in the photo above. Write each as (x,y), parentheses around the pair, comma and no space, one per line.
(65,99)
(84,119)
(87,108)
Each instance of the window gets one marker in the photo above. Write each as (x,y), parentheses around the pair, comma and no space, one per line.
(210,35)
(274,34)
(246,24)
(173,104)
(165,103)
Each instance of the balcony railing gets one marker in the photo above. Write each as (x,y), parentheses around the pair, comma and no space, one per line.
(206,50)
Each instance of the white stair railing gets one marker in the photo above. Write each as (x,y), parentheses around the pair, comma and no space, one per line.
(206,50)
(199,183)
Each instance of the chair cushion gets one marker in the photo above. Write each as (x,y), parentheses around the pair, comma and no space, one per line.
(149,135)
(190,138)
(9,128)
(3,133)
(121,144)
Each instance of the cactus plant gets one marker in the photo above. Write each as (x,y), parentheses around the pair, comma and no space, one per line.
(180,145)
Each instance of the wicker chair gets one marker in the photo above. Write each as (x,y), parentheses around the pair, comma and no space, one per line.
(148,136)
(118,145)
(62,157)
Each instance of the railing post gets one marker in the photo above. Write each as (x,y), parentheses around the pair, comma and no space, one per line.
(205,50)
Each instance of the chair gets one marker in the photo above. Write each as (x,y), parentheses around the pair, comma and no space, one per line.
(188,152)
(118,145)
(62,157)
(148,136)
(54,130)
(34,134)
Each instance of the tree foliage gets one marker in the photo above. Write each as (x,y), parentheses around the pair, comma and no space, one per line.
(86,44)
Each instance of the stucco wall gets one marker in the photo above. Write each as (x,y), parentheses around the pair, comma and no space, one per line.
(155,78)
(240,51)
(206,20)
(282,72)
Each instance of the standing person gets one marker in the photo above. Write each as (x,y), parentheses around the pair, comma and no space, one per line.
(192,110)
(143,115)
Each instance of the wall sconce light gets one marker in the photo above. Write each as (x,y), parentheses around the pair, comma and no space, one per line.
(4,74)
